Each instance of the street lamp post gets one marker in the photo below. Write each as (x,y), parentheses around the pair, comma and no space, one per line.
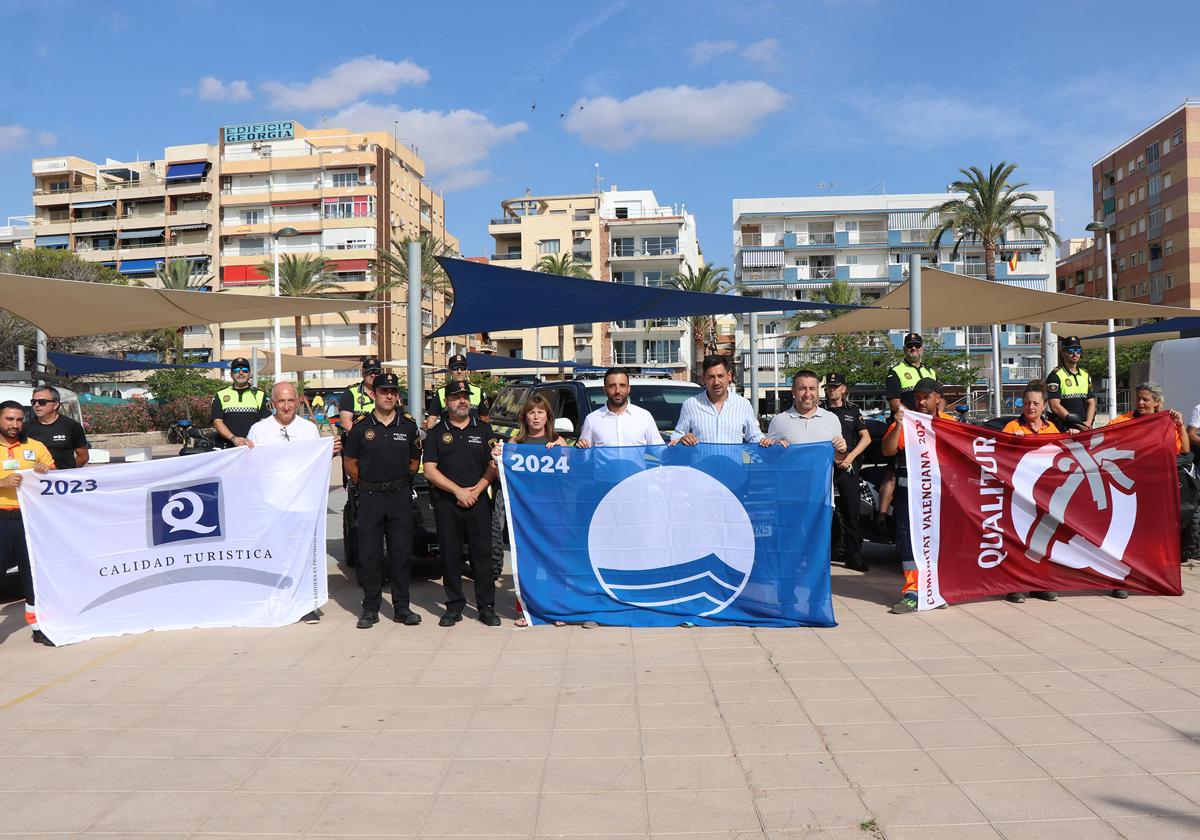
(1100,227)
(286,233)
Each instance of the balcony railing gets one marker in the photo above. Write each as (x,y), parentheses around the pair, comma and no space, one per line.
(872,237)
(145,183)
(512,255)
(505,221)
(1024,374)
(644,252)
(820,238)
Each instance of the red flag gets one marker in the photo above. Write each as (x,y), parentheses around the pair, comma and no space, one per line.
(992,513)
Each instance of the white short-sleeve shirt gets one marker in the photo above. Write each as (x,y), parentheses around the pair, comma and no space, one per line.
(632,427)
(269,431)
(1195,421)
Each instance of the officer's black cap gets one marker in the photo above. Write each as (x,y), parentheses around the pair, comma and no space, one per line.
(386,380)
(913,340)
(834,379)
(456,388)
(928,385)
(240,362)
(1071,341)
(371,363)
(458,360)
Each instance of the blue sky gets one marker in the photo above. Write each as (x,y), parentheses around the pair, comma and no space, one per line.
(700,101)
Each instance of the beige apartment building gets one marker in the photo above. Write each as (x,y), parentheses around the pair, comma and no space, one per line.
(623,237)
(341,195)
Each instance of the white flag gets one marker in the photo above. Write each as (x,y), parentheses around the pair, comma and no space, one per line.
(224,539)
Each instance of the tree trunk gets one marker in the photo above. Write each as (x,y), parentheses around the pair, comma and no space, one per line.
(299,351)
(178,349)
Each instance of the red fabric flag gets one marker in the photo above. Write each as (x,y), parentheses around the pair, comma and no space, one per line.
(992,513)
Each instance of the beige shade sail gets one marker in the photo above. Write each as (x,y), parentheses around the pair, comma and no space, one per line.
(1086,331)
(954,300)
(69,308)
(291,363)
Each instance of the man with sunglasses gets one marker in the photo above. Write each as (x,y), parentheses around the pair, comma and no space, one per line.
(457,366)
(63,436)
(238,407)
(1069,387)
(357,401)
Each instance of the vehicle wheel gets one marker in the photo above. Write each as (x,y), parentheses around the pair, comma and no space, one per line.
(498,525)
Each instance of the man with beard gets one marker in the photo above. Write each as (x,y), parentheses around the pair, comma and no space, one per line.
(19,453)
(718,415)
(619,422)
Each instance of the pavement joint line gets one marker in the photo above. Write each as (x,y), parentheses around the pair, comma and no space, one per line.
(57,681)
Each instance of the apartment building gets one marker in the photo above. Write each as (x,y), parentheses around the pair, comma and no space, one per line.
(18,233)
(623,236)
(340,195)
(793,248)
(1147,193)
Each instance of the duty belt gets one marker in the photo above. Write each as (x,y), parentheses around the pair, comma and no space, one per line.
(384,486)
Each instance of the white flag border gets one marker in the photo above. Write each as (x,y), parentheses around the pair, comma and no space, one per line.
(920,447)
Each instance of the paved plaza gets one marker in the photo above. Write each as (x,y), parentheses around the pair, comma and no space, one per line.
(1076,719)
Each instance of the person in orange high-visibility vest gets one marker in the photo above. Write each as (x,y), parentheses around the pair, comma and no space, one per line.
(19,453)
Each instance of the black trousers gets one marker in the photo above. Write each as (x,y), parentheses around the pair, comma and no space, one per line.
(848,546)
(474,526)
(379,514)
(13,552)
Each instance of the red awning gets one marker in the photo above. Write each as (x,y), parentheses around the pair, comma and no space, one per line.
(241,275)
(346,265)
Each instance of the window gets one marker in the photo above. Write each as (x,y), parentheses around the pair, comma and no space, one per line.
(659,245)
(1121,234)
(1142,225)
(1132,199)
(624,247)
(1166,180)
(345,179)
(1142,192)
(622,212)
(349,207)
(59,186)
(851,225)
(654,279)
(625,352)
(626,277)
(426,318)
(1155,218)
(1155,184)
(661,352)
(1152,153)
(851,259)
(1166,145)
(1177,137)
(1121,264)
(1141,161)
(1168,247)
(1130,168)
(549,353)
(252,217)
(1168,213)
(1091,274)
(1120,175)
(1170,281)
(1121,203)
(548,246)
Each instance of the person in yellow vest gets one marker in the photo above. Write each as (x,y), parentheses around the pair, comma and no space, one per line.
(457,366)
(19,453)
(901,383)
(1069,387)
(358,400)
(236,408)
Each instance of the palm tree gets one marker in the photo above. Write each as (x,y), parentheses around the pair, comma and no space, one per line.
(984,215)
(180,275)
(301,276)
(395,263)
(564,265)
(709,280)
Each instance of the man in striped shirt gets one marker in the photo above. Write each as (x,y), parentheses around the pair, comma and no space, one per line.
(718,415)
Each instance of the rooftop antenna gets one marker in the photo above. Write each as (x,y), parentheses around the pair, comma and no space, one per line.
(825,187)
(598,178)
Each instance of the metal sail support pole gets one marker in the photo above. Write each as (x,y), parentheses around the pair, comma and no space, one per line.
(42,360)
(754,362)
(914,293)
(997,389)
(415,351)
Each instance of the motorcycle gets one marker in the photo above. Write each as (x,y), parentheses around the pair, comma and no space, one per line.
(195,441)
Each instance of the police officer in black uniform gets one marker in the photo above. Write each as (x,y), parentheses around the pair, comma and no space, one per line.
(238,407)
(357,401)
(459,465)
(380,455)
(848,547)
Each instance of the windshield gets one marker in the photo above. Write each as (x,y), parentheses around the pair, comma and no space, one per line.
(662,401)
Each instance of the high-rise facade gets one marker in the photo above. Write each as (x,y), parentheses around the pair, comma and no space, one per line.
(793,248)
(339,195)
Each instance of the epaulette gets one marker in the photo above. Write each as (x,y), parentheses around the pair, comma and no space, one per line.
(408,416)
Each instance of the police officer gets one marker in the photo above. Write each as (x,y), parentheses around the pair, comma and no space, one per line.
(1069,388)
(236,408)
(380,455)
(458,373)
(459,465)
(845,472)
(357,401)
(902,379)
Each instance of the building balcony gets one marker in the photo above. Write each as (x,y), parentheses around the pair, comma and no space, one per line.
(800,273)
(242,159)
(646,254)
(808,240)
(1154,265)
(511,256)
(514,220)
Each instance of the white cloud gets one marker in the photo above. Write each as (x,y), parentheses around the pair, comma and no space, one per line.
(212,89)
(345,83)
(765,53)
(450,142)
(684,114)
(706,51)
(15,136)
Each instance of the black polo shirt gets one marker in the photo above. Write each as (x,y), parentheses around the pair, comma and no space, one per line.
(62,438)
(240,408)
(852,423)
(462,455)
(383,450)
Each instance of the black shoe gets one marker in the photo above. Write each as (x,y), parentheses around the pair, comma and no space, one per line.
(488,616)
(1046,596)
(1120,593)
(407,617)
(450,619)
(856,564)
(1015,597)
(40,638)
(313,617)
(368,619)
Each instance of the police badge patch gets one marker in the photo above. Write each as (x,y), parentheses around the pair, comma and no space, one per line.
(447,438)
(369,434)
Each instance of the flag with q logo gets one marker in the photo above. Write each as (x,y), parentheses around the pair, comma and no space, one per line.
(223,539)
(992,513)
(658,536)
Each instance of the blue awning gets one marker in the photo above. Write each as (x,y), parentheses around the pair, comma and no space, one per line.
(1187,327)
(83,205)
(58,241)
(179,171)
(138,266)
(490,298)
(141,234)
(69,364)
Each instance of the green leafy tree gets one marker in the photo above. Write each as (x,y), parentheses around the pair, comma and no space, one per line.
(708,280)
(864,364)
(1095,360)
(180,384)
(301,276)
(394,264)
(564,265)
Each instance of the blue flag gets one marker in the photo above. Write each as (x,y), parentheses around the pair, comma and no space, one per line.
(655,536)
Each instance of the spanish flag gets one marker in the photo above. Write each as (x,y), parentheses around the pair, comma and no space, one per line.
(1012,261)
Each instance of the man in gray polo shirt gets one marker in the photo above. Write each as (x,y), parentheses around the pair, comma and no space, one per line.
(806,421)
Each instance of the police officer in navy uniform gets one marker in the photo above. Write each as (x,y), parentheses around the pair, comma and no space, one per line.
(380,454)
(459,465)
(1069,387)
(436,408)
(900,385)
(848,547)
(238,407)
(357,401)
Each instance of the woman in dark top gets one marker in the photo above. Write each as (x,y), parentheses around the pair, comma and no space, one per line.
(535,426)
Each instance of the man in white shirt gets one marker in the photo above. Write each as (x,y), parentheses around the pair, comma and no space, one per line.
(1193,428)
(718,415)
(284,427)
(619,422)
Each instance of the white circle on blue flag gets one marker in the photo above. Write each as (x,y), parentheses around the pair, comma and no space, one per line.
(672,538)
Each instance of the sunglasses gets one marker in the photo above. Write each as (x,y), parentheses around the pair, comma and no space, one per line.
(240,370)
(372,372)
(1074,349)
(457,369)
(43,402)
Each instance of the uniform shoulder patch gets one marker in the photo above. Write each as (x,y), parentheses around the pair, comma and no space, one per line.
(407,416)
(1052,386)
(447,438)
(224,398)
(369,434)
